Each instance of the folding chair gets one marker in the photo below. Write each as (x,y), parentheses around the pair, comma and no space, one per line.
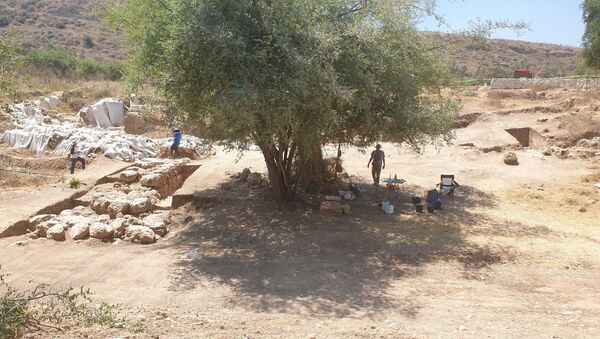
(447,184)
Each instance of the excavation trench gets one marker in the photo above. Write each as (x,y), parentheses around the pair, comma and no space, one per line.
(155,184)
(527,137)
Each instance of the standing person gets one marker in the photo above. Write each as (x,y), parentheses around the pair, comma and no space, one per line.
(75,157)
(378,159)
(176,142)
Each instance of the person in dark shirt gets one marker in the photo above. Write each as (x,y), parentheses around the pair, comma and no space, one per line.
(176,142)
(75,157)
(378,160)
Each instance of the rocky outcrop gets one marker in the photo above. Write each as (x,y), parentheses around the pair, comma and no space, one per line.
(157,222)
(141,234)
(141,205)
(129,176)
(101,231)
(56,232)
(80,231)
(38,219)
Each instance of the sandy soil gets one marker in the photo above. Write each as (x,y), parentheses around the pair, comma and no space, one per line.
(509,256)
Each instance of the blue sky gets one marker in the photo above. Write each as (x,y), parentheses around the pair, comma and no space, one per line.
(551,21)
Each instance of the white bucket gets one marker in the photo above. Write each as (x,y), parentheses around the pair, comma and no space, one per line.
(388,208)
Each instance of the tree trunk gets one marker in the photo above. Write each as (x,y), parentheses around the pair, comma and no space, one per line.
(280,189)
(311,168)
(277,174)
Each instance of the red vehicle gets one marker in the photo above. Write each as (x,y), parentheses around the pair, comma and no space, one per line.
(522,73)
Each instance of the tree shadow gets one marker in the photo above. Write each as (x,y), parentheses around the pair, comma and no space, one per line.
(294,259)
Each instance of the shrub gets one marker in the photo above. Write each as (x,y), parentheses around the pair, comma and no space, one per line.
(88,42)
(41,308)
(74,183)
(53,58)
(68,63)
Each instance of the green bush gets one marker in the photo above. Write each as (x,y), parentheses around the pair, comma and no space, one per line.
(40,308)
(88,42)
(68,63)
(74,183)
(53,58)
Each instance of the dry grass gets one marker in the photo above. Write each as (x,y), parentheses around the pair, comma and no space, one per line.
(77,92)
(592,178)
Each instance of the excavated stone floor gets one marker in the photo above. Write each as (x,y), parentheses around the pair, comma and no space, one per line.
(124,206)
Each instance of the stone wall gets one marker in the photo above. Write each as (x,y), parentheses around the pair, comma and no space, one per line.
(543,83)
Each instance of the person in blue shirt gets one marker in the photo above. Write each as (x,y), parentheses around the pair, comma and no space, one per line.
(433,198)
(176,141)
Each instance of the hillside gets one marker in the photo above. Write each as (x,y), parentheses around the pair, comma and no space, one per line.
(69,24)
(498,58)
(60,23)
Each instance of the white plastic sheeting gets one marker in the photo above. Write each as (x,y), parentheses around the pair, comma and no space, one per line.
(101,136)
(35,109)
(112,142)
(105,113)
(32,136)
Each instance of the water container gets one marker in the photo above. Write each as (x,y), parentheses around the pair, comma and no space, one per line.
(388,208)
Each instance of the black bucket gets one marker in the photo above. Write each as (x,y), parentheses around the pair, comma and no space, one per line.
(430,208)
(416,200)
(419,208)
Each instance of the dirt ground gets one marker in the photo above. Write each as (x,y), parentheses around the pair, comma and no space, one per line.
(510,256)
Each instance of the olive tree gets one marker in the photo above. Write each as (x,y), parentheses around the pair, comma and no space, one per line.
(291,76)
(591,36)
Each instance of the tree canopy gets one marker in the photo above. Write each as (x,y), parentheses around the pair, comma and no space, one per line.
(11,64)
(591,37)
(291,76)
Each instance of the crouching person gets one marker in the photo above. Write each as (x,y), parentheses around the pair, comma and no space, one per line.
(433,199)
(75,157)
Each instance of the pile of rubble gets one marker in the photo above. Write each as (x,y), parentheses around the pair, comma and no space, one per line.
(585,148)
(125,208)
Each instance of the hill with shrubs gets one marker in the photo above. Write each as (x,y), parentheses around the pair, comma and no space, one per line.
(52,27)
